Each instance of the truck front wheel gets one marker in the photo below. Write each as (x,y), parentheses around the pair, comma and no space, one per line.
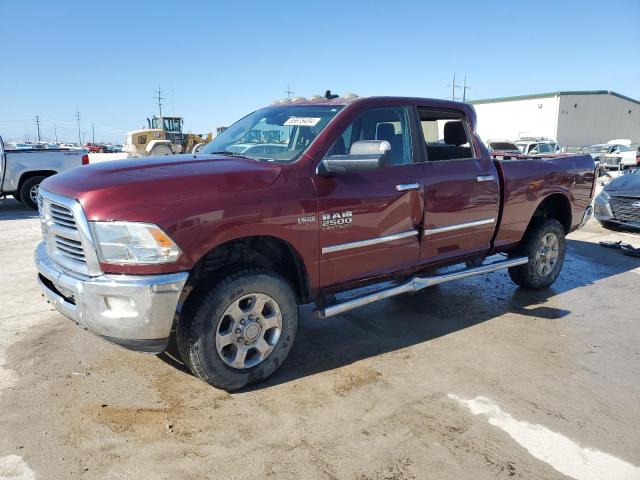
(29,192)
(242,329)
(545,245)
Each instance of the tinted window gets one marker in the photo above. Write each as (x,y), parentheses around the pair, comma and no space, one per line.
(544,148)
(388,123)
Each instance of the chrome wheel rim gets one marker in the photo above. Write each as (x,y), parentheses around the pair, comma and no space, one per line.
(249,330)
(33,193)
(547,254)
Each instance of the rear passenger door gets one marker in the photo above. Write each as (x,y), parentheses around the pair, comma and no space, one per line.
(462,193)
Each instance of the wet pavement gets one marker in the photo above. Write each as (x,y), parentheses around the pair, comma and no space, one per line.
(471,379)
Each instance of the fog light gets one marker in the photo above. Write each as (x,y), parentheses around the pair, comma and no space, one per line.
(120,306)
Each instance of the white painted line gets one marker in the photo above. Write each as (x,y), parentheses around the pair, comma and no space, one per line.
(562,453)
(13,467)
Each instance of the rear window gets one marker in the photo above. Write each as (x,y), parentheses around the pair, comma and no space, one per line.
(503,146)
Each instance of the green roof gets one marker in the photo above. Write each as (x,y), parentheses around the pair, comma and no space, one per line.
(554,94)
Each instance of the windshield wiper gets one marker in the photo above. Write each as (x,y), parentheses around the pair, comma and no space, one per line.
(227,152)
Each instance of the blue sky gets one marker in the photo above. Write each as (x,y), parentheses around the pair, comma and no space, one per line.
(216,61)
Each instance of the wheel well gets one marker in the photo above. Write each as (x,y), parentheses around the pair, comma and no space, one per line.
(35,173)
(256,251)
(555,206)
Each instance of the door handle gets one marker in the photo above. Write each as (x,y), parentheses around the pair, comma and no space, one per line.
(403,187)
(486,178)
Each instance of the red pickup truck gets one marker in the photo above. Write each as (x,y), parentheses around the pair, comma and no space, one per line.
(338,193)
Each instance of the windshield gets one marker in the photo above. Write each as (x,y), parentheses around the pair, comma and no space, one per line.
(596,149)
(276,134)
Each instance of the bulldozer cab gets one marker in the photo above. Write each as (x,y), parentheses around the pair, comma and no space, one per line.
(171,126)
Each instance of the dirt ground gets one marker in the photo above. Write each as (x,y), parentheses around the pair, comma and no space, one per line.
(472,379)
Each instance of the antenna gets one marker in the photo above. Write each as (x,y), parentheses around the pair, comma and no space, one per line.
(159,99)
(78,120)
(289,92)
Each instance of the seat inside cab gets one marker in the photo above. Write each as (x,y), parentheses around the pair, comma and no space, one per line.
(445,135)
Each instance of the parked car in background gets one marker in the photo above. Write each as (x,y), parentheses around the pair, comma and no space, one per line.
(619,157)
(502,146)
(22,170)
(618,205)
(540,146)
(224,247)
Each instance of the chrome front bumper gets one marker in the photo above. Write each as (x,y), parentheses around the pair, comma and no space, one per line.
(135,312)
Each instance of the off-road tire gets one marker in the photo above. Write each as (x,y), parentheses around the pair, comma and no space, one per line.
(198,324)
(160,150)
(25,191)
(527,275)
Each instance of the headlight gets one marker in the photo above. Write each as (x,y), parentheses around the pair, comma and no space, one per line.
(133,243)
(605,196)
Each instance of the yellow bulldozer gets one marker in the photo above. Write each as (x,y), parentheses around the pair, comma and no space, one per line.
(163,136)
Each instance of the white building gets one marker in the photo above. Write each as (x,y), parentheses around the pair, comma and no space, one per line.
(571,118)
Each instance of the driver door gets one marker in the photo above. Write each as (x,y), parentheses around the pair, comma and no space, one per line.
(369,219)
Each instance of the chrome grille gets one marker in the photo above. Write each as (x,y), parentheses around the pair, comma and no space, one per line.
(70,248)
(67,234)
(62,216)
(611,160)
(626,209)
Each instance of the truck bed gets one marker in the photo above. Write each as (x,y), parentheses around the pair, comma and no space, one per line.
(525,183)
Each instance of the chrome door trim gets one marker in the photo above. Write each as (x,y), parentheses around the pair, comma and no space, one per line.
(403,187)
(371,241)
(459,226)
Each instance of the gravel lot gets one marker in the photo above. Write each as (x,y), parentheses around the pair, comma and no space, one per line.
(473,379)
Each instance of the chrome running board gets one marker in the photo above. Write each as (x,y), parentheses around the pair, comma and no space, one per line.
(418,283)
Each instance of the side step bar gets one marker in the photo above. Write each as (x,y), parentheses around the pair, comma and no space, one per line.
(418,283)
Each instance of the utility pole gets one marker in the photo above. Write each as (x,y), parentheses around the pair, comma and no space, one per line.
(464,89)
(453,86)
(159,99)
(38,125)
(93,133)
(289,92)
(78,120)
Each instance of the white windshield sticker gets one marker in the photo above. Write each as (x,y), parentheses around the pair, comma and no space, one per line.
(303,121)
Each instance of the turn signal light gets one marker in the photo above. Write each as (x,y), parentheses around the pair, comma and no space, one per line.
(85,159)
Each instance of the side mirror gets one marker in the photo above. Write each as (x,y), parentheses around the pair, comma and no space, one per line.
(363,155)
(533,152)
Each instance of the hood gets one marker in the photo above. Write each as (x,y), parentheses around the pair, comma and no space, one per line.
(123,185)
(628,185)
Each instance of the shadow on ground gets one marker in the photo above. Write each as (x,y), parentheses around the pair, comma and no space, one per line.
(12,209)
(407,320)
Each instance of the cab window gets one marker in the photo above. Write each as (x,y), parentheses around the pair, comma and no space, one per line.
(385,123)
(445,134)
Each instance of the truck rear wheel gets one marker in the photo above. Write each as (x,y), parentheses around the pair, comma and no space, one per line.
(242,330)
(29,192)
(545,245)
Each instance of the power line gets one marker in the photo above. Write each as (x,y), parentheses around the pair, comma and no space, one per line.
(453,86)
(38,125)
(289,92)
(159,98)
(78,120)
(464,89)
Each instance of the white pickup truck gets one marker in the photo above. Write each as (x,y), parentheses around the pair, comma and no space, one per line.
(21,171)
